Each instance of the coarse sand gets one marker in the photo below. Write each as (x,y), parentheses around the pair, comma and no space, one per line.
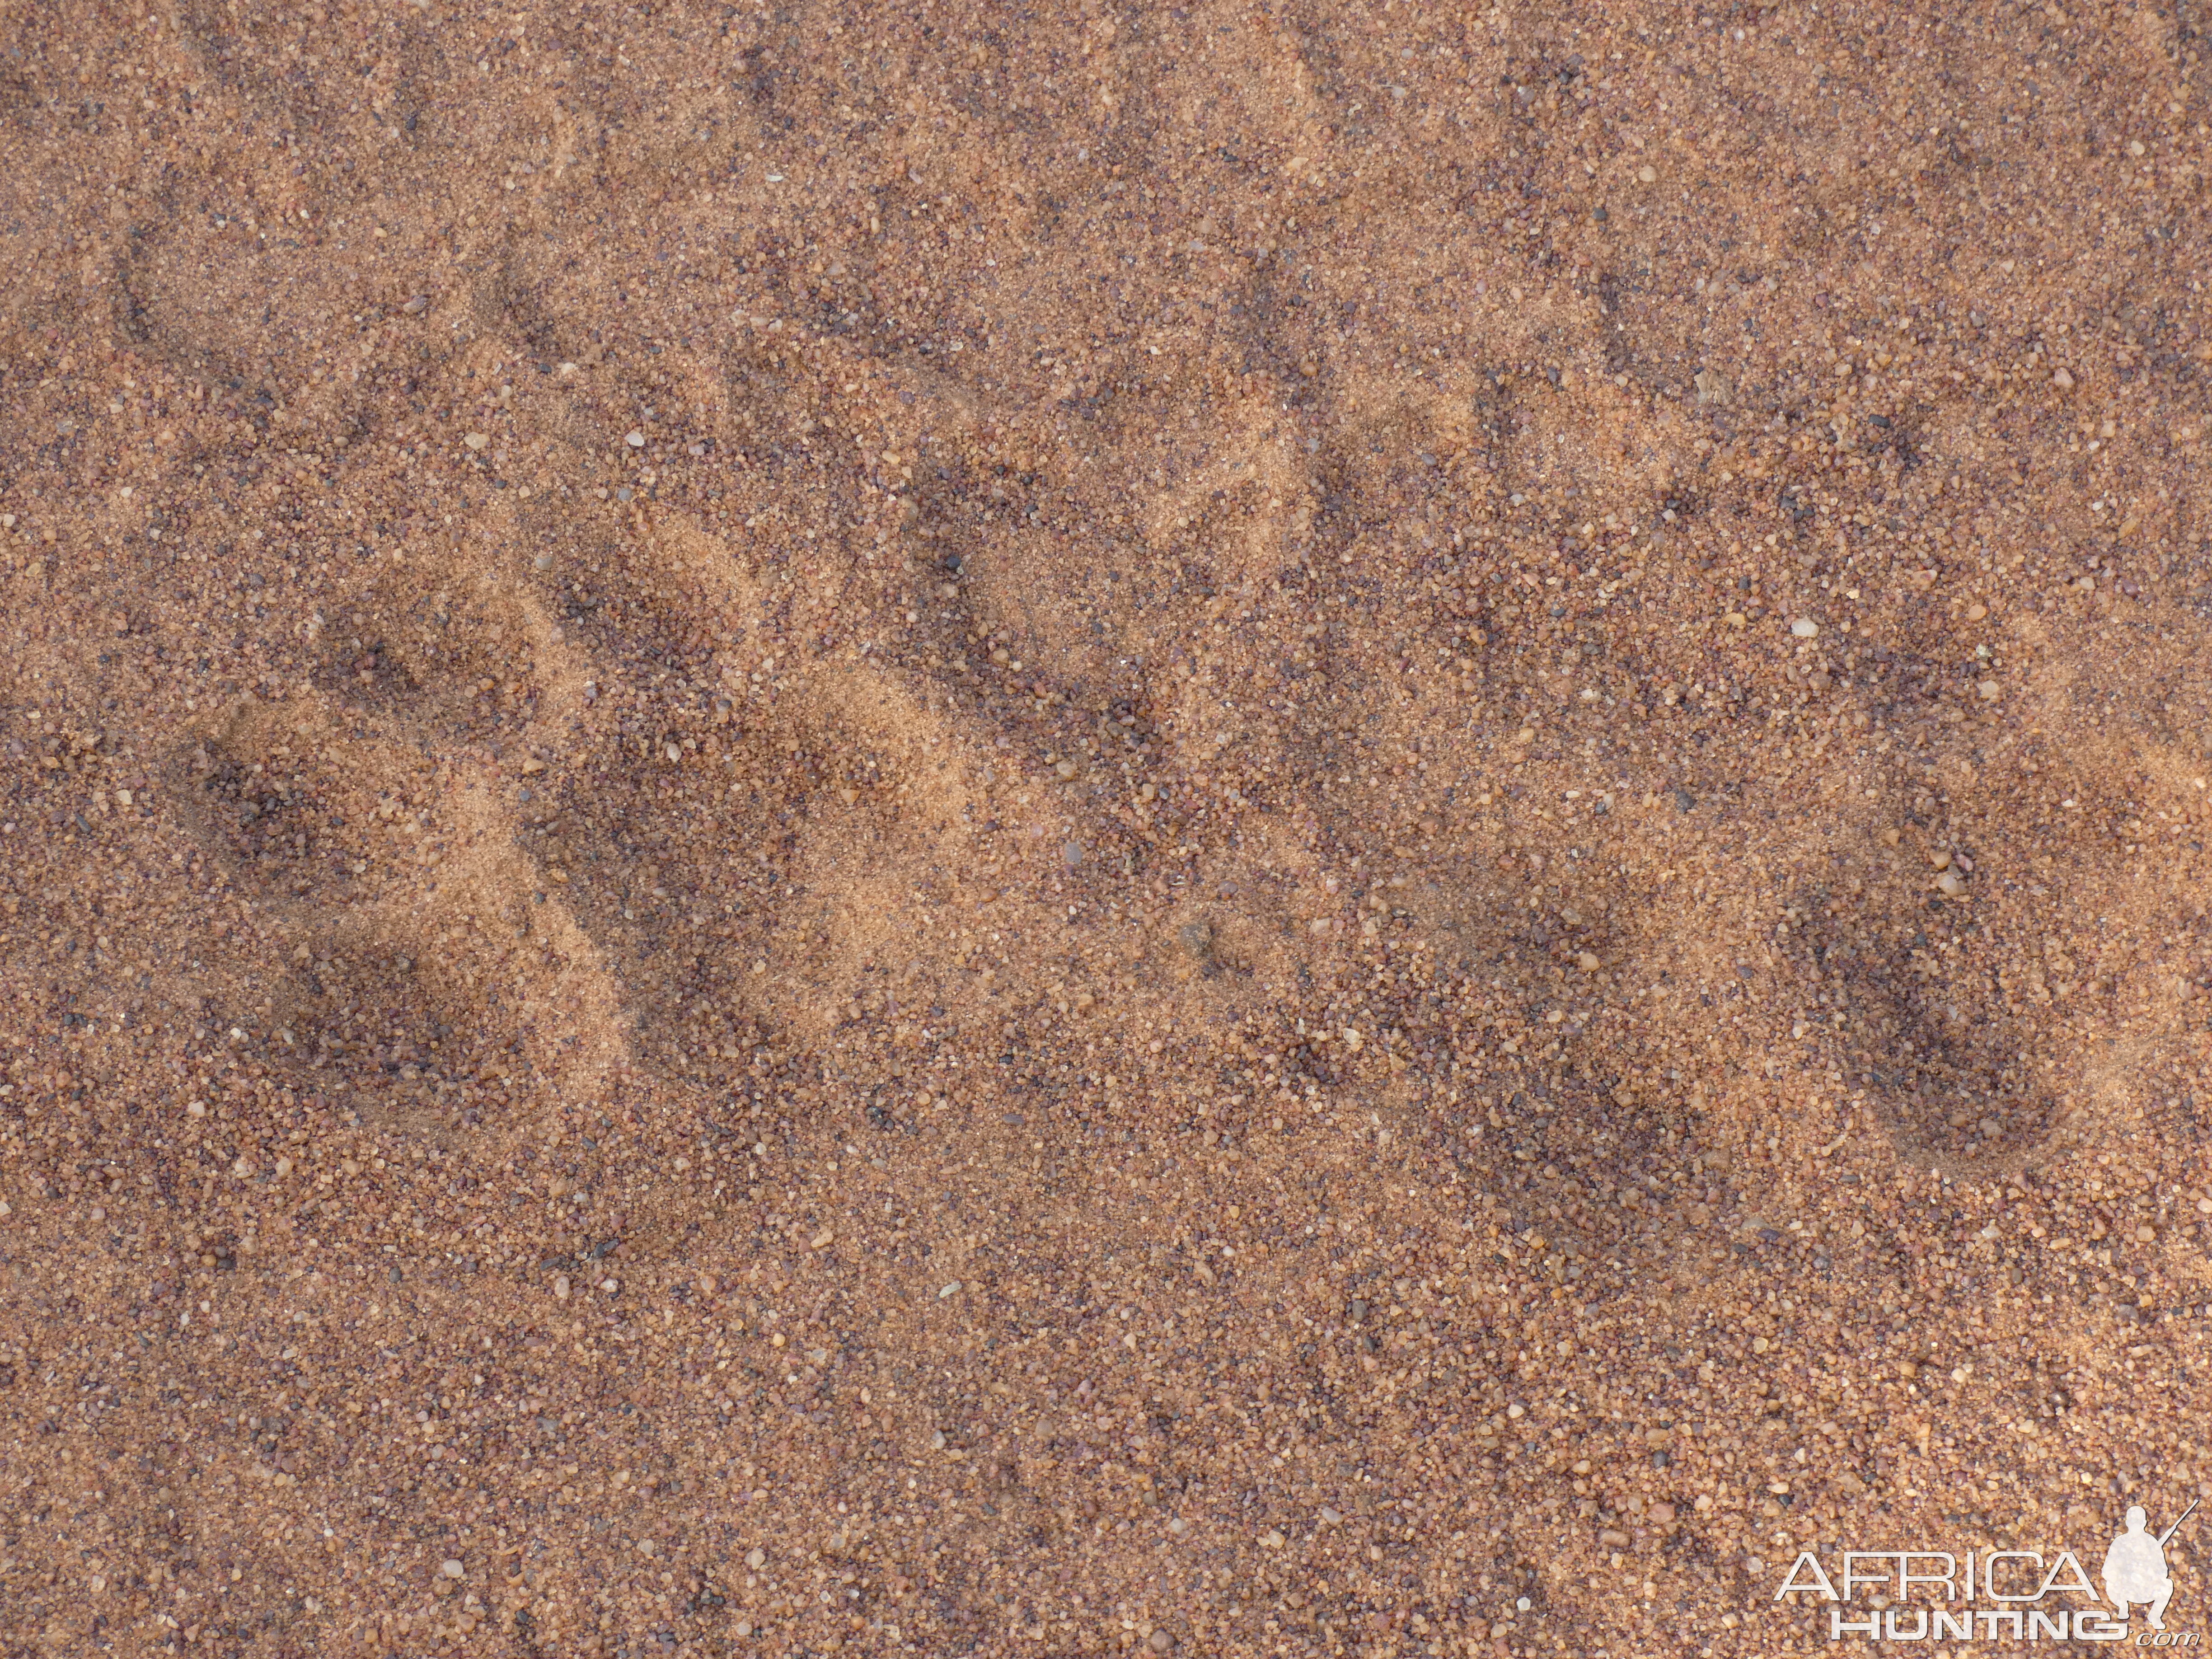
(1290,829)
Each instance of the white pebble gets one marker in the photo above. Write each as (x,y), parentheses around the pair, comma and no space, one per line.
(636,441)
(452,1569)
(1805,627)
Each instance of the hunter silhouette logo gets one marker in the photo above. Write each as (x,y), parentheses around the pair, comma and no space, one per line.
(2134,1567)
(1986,1594)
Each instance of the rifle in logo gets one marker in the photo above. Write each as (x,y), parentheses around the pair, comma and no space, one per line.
(2175,1527)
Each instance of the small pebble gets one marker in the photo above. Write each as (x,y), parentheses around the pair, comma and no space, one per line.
(1071,855)
(452,1569)
(1805,627)
(636,441)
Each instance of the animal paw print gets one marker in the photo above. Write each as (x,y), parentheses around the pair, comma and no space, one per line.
(553,832)
(738,837)
(375,816)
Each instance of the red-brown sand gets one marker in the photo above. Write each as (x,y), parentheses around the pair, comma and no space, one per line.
(1304,830)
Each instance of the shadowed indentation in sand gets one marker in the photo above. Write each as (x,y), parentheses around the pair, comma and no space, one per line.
(270,808)
(404,1039)
(462,665)
(1925,1034)
(275,831)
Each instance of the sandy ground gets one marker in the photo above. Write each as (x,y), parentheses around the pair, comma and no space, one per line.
(1301,830)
